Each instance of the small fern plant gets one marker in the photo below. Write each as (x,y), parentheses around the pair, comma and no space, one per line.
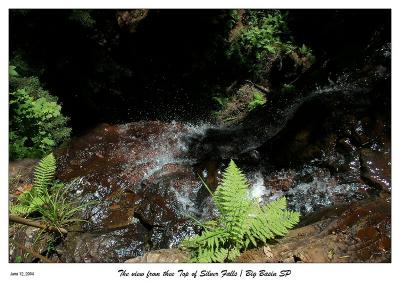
(48,199)
(242,222)
(32,200)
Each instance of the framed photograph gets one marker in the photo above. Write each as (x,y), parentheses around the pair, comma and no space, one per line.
(204,143)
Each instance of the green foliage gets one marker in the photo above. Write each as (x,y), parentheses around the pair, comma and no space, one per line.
(221,100)
(44,173)
(260,37)
(258,100)
(36,122)
(57,209)
(31,201)
(24,70)
(18,259)
(288,89)
(12,72)
(47,199)
(83,17)
(242,222)
(305,51)
(233,18)
(263,37)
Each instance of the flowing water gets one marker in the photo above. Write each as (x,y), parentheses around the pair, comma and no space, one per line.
(145,176)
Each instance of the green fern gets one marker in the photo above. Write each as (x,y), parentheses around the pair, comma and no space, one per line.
(44,173)
(48,200)
(242,222)
(31,201)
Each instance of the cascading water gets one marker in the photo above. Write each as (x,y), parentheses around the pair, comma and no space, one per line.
(146,175)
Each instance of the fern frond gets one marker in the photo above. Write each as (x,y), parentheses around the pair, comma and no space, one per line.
(233,254)
(208,256)
(242,221)
(208,239)
(44,173)
(31,201)
(271,221)
(231,200)
(20,209)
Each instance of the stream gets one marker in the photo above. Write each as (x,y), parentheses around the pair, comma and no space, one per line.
(325,148)
(146,174)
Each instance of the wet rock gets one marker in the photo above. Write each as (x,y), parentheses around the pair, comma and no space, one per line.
(282,180)
(31,238)
(359,232)
(376,167)
(161,256)
(166,205)
(308,189)
(359,133)
(105,246)
(142,184)
(317,188)
(210,172)
(369,129)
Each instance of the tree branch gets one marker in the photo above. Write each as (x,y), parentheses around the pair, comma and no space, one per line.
(24,221)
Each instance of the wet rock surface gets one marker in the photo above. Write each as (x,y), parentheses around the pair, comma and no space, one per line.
(358,232)
(113,245)
(143,184)
(29,237)
(375,166)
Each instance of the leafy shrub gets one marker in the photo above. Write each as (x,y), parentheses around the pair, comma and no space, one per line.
(83,17)
(264,36)
(36,122)
(47,200)
(258,100)
(242,222)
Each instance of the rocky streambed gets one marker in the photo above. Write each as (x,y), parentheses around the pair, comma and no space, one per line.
(321,137)
(327,149)
(147,187)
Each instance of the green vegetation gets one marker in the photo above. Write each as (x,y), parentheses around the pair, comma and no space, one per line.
(36,122)
(288,89)
(305,51)
(83,17)
(242,222)
(233,18)
(47,200)
(18,259)
(257,100)
(221,100)
(264,37)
